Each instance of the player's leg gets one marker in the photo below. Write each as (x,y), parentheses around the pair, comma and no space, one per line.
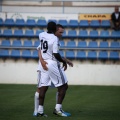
(42,93)
(36,102)
(61,93)
(44,84)
(59,79)
(57,93)
(54,111)
(36,96)
(58,108)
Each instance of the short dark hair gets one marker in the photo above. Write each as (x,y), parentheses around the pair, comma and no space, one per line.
(51,27)
(59,26)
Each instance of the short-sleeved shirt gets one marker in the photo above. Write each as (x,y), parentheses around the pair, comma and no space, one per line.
(49,44)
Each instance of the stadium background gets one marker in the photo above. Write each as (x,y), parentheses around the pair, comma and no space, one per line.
(92,70)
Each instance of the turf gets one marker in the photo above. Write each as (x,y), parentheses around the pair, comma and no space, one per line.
(83,102)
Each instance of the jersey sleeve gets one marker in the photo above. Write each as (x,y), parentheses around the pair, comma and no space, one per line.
(56,45)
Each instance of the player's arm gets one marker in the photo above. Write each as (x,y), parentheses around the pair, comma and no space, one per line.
(57,55)
(59,58)
(43,63)
(68,62)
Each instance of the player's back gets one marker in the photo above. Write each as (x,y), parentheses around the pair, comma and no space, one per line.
(49,45)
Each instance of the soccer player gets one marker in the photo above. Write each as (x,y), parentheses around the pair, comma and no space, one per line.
(58,33)
(49,51)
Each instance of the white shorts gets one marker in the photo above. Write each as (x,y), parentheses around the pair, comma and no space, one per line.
(39,82)
(55,75)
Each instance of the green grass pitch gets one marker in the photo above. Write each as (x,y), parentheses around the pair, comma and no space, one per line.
(83,102)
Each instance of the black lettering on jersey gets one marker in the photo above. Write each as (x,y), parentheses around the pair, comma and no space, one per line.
(44,46)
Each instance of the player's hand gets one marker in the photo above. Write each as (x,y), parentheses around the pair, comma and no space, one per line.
(65,65)
(44,65)
(69,63)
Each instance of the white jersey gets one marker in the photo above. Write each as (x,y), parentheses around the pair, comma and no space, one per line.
(48,45)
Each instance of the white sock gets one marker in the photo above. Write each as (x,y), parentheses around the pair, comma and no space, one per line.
(40,109)
(58,107)
(36,102)
(56,97)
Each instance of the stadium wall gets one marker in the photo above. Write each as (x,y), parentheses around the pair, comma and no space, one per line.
(83,73)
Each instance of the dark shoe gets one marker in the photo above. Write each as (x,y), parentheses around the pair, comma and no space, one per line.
(41,115)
